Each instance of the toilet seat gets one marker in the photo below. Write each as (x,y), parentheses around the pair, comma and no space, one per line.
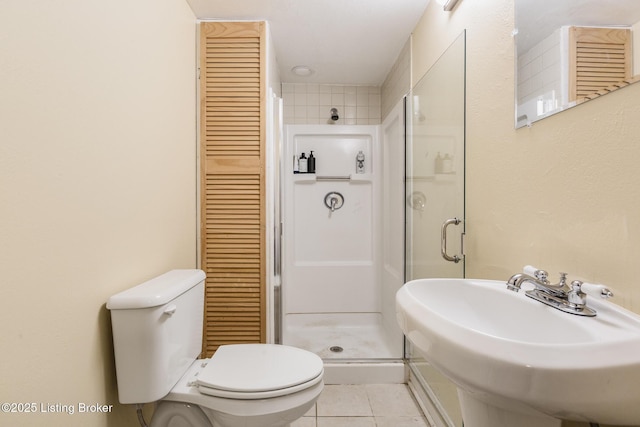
(259,371)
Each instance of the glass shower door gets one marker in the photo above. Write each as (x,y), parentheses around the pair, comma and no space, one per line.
(435,184)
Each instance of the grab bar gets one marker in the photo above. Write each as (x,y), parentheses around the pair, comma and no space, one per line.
(443,240)
(333,178)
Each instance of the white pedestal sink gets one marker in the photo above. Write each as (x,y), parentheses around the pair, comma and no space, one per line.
(518,362)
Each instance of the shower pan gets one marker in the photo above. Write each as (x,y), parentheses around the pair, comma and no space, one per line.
(334,298)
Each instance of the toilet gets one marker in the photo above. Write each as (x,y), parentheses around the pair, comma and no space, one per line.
(157,338)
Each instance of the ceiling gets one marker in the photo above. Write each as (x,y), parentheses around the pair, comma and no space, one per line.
(342,41)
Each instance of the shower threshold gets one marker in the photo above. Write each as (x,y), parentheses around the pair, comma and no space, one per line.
(371,371)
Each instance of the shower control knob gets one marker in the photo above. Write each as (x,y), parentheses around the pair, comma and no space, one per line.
(333,201)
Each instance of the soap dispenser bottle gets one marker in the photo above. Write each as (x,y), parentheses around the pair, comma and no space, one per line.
(437,167)
(303,164)
(360,162)
(311,163)
(447,164)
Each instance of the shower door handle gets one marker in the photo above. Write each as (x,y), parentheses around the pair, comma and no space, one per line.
(443,240)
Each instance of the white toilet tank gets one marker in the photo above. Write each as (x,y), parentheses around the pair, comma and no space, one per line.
(157,333)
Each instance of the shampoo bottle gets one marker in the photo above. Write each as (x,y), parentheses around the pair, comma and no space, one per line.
(437,167)
(302,164)
(447,164)
(360,162)
(311,163)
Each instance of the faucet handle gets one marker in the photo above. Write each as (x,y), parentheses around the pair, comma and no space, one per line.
(576,286)
(541,275)
(536,272)
(563,279)
(597,290)
(575,295)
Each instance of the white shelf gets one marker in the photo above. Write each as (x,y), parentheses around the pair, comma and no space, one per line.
(312,177)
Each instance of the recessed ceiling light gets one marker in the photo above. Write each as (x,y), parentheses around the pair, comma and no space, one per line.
(302,70)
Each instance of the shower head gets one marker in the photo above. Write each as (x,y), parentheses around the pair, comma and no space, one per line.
(334,114)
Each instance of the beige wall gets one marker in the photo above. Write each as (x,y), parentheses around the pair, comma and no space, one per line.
(97,187)
(562,195)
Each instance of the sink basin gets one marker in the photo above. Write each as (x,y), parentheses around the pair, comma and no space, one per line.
(519,362)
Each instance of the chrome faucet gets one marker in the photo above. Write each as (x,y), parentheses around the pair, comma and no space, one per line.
(570,299)
(540,281)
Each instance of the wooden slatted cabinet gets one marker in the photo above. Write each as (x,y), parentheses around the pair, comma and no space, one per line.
(232,152)
(599,61)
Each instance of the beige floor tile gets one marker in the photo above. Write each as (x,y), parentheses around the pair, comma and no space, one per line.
(401,422)
(389,400)
(346,422)
(305,422)
(344,401)
(366,405)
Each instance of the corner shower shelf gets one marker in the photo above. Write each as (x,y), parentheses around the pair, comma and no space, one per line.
(311,177)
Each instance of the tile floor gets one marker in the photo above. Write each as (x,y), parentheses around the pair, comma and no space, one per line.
(367,405)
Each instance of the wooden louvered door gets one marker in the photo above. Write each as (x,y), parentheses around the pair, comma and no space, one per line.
(599,61)
(232,182)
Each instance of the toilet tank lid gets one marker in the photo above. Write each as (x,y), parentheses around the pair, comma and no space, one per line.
(157,291)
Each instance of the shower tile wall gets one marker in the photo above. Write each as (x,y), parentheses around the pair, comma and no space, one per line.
(306,103)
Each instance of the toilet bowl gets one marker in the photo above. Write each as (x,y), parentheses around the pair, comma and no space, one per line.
(157,333)
(247,385)
(284,387)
